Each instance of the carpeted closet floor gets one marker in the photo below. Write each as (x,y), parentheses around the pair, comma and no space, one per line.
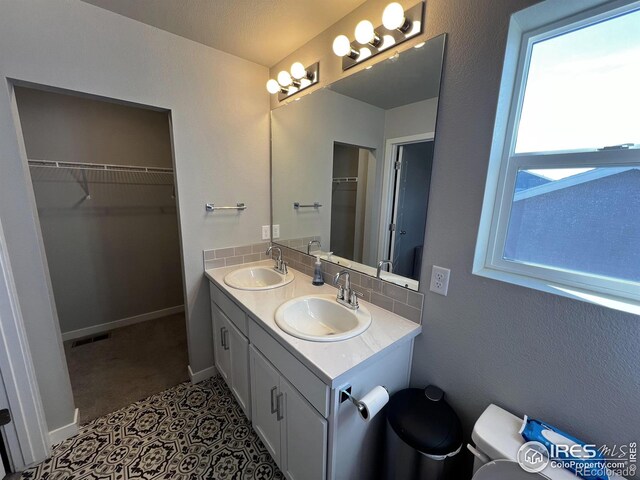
(132,364)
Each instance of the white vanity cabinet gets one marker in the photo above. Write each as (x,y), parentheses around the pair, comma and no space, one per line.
(294,405)
(231,348)
(292,430)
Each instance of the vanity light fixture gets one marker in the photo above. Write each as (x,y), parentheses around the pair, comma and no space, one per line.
(397,26)
(297,78)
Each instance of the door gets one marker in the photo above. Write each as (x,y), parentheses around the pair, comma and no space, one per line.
(221,352)
(304,439)
(239,371)
(265,391)
(411,197)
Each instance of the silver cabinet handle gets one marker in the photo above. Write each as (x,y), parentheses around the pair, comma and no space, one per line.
(273,401)
(226,338)
(279,414)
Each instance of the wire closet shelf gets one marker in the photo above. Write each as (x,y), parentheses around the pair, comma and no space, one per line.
(50,170)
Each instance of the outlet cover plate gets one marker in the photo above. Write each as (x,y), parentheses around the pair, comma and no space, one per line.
(276,231)
(440,280)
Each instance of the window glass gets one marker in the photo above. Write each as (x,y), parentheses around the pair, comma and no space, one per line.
(583,89)
(581,220)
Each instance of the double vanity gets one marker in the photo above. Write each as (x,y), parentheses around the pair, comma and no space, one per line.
(287,348)
(350,175)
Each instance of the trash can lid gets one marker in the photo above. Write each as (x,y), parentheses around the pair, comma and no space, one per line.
(425,422)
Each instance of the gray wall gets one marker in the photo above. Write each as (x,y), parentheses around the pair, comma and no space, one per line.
(571,363)
(220,126)
(116,255)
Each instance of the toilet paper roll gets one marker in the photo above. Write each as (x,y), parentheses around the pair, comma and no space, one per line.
(372,403)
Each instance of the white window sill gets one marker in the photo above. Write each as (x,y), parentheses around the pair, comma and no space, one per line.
(603,300)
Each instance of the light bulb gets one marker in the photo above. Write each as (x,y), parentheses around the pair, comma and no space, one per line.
(304,83)
(284,78)
(273,86)
(393,16)
(298,71)
(365,32)
(341,45)
(415,29)
(387,41)
(364,53)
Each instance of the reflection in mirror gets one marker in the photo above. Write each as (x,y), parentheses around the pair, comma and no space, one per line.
(356,157)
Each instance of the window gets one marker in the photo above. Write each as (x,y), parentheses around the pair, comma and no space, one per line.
(562,204)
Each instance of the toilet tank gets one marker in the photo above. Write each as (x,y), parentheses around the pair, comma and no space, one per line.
(496,436)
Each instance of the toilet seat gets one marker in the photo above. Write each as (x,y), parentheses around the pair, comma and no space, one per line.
(505,470)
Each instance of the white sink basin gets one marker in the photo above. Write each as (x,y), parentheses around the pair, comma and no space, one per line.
(320,318)
(257,278)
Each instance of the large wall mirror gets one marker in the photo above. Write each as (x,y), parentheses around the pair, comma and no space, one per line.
(351,166)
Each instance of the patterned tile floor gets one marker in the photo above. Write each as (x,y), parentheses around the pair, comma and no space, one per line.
(189,432)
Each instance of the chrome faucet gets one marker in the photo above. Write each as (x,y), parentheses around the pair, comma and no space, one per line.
(311,243)
(346,295)
(381,263)
(280,266)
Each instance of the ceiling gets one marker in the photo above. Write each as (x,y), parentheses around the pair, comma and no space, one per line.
(262,31)
(412,76)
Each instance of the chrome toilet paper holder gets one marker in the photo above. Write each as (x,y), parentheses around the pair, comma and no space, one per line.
(345,394)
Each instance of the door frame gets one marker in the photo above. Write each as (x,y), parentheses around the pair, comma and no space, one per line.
(392,145)
(27,436)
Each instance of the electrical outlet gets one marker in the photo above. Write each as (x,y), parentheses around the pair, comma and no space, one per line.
(440,280)
(266,232)
(276,231)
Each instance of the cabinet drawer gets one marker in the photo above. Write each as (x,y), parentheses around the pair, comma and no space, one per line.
(230,309)
(314,390)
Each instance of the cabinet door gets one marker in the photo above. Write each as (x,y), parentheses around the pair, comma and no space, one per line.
(221,351)
(239,348)
(304,437)
(265,388)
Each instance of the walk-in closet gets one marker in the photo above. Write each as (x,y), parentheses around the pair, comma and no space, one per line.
(103,180)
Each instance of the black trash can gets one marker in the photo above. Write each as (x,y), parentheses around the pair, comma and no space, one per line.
(423,433)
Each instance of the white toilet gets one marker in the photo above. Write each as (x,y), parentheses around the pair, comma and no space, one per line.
(497,441)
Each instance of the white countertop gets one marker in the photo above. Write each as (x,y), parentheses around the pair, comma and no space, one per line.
(328,360)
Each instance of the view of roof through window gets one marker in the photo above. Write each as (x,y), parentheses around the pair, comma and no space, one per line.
(582,89)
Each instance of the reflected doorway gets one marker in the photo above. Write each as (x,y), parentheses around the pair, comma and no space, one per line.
(411,179)
(351,166)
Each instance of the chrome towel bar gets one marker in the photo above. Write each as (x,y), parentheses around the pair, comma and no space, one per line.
(297,205)
(212,208)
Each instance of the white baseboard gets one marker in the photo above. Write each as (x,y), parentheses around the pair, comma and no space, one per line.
(61,434)
(124,322)
(197,377)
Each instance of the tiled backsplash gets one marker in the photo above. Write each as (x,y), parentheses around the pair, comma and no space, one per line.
(396,299)
(226,257)
(299,243)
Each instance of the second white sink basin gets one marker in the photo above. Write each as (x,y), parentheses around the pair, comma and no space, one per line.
(320,318)
(257,278)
